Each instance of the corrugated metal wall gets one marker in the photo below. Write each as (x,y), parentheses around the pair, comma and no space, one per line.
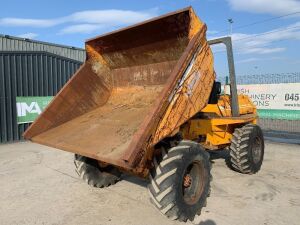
(28,74)
(10,43)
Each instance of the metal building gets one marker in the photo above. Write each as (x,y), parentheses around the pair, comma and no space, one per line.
(31,68)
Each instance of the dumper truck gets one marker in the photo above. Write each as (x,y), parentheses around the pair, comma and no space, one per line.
(146,102)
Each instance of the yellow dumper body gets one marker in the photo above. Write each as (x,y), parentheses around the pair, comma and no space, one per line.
(137,86)
(146,102)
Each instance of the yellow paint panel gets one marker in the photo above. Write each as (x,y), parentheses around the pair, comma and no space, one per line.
(191,94)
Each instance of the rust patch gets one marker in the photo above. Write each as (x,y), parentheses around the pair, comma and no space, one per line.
(132,91)
(105,132)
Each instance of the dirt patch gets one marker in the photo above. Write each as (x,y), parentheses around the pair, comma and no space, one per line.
(136,96)
(106,131)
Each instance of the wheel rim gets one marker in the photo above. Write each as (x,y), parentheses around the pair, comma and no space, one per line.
(193,183)
(257,150)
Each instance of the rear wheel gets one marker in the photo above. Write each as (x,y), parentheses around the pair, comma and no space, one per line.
(180,181)
(90,171)
(247,149)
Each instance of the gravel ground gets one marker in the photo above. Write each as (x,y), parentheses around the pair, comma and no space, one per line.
(39,186)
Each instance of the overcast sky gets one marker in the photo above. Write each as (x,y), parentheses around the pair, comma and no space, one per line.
(265,39)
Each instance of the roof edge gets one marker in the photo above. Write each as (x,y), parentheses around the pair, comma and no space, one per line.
(40,42)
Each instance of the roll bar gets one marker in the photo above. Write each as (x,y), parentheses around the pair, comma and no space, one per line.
(233,89)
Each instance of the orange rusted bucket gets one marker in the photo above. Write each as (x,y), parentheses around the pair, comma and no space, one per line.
(137,86)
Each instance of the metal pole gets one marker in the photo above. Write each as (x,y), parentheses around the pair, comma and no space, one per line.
(233,89)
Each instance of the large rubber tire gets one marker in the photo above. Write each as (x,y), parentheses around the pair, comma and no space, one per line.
(89,170)
(247,149)
(166,187)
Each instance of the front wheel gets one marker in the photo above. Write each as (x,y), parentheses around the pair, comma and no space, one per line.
(247,149)
(180,181)
(94,175)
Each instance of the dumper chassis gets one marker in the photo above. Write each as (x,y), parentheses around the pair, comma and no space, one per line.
(146,102)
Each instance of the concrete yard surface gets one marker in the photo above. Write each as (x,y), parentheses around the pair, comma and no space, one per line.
(39,186)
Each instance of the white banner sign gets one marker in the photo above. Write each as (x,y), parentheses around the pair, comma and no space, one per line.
(273,96)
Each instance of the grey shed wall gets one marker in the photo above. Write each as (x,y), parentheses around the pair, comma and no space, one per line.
(31,68)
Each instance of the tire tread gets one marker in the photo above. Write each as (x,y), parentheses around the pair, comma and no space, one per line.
(161,188)
(239,150)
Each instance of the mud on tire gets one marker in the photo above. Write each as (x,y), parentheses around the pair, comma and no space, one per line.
(89,170)
(247,149)
(170,191)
